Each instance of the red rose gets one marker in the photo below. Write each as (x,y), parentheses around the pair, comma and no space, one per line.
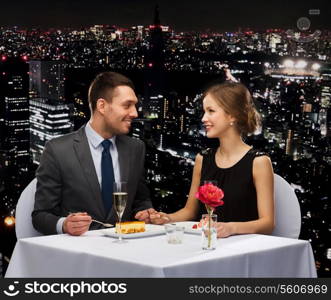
(210,195)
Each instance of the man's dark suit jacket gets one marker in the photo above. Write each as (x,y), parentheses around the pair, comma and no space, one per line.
(68,183)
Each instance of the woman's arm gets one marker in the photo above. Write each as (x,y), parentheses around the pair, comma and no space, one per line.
(189,211)
(263,178)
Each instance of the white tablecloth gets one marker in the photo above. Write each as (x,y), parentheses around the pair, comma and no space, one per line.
(94,255)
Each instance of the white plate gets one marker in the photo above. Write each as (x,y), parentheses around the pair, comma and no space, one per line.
(150,230)
(189,227)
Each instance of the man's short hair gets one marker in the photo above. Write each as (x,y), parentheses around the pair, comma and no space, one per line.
(103,87)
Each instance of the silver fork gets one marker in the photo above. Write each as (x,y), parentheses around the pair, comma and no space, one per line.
(96,221)
(103,224)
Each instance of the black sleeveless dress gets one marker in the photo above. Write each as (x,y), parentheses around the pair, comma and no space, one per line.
(240,202)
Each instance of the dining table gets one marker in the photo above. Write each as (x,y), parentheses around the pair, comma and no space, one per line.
(95,255)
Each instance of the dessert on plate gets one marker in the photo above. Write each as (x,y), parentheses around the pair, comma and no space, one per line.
(130,227)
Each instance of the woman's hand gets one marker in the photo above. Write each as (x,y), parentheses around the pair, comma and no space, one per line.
(224,229)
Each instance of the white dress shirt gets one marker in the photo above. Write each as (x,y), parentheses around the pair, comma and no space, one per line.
(94,141)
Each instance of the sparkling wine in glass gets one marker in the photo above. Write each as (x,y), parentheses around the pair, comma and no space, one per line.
(120,197)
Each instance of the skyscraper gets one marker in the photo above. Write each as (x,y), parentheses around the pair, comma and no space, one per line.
(48,119)
(47,79)
(155,57)
(50,114)
(14,111)
(154,67)
(325,112)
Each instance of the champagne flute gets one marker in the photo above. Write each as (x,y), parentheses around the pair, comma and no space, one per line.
(120,197)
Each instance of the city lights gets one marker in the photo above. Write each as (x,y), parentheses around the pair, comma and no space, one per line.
(9,221)
(289,63)
(301,64)
(45,96)
(316,66)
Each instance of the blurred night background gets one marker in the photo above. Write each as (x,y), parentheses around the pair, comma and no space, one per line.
(281,50)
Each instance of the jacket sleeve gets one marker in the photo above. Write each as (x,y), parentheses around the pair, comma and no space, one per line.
(46,211)
(142,199)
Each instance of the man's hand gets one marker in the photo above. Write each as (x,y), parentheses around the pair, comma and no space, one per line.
(159,218)
(77,223)
(144,215)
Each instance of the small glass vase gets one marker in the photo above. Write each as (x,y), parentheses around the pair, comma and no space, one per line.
(209,232)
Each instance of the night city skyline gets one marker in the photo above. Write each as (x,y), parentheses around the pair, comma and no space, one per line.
(181,15)
(45,74)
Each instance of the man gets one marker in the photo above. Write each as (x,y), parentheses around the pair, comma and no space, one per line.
(77,170)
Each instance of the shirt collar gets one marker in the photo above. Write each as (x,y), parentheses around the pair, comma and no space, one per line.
(95,138)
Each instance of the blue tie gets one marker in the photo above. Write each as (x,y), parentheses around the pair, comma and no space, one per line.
(107,174)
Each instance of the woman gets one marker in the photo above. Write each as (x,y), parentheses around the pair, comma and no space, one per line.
(244,174)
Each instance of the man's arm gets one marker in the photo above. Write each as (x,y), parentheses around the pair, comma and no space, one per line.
(46,211)
(142,199)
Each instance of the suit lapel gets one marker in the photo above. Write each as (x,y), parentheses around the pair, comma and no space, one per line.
(83,153)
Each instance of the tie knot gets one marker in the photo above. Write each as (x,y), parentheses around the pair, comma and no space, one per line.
(106,144)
